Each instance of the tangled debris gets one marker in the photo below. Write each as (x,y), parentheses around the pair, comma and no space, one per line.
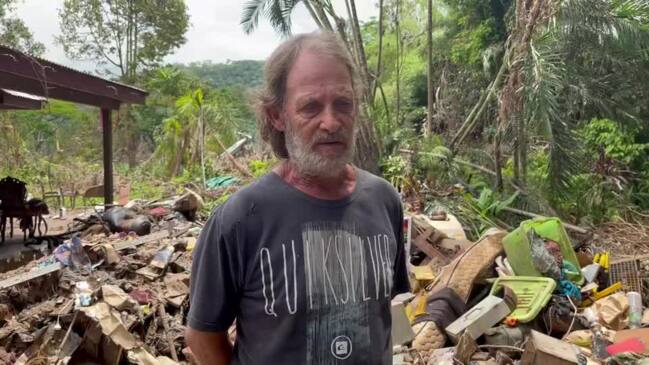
(106,294)
(104,298)
(520,297)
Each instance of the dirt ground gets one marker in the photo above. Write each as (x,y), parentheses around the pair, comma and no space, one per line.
(14,253)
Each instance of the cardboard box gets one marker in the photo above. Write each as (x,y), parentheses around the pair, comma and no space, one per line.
(545,350)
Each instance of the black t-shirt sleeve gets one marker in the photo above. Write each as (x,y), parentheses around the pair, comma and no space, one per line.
(401,284)
(214,295)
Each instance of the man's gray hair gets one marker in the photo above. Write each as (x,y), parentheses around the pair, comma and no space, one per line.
(279,64)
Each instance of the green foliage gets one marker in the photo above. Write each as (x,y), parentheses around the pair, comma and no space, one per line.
(394,169)
(259,168)
(241,73)
(14,33)
(469,45)
(618,142)
(127,35)
(488,204)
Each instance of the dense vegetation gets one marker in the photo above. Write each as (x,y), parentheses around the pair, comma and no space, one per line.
(537,105)
(242,73)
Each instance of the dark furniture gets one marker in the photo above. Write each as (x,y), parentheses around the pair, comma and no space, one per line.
(14,204)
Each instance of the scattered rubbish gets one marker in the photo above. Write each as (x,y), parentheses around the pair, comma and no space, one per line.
(141,296)
(116,297)
(532,295)
(118,293)
(611,310)
(518,247)
(640,333)
(543,350)
(629,345)
(83,294)
(33,274)
(221,182)
(477,320)
(627,272)
(635,309)
(162,257)
(401,332)
(591,272)
(188,204)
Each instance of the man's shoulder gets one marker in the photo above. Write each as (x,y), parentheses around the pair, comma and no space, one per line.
(245,200)
(377,184)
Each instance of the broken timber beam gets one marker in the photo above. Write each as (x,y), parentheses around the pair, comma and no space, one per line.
(30,275)
(422,244)
(123,245)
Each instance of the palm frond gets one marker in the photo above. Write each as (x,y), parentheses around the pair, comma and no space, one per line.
(545,77)
(279,15)
(252,10)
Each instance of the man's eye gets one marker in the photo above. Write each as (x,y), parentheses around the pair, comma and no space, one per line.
(310,108)
(344,106)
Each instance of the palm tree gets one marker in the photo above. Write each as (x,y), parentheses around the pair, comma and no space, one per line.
(565,61)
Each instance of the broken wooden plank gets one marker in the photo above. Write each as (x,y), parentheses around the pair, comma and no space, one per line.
(155,236)
(422,243)
(18,279)
(123,245)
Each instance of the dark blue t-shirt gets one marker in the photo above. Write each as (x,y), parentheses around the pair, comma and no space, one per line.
(309,281)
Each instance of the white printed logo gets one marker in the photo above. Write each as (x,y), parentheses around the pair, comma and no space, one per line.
(341,347)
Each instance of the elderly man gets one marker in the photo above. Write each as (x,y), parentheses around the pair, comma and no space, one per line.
(307,258)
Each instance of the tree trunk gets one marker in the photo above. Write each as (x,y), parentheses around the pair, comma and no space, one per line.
(472,120)
(201,124)
(517,149)
(322,15)
(358,40)
(379,57)
(398,68)
(313,14)
(498,159)
(231,158)
(429,114)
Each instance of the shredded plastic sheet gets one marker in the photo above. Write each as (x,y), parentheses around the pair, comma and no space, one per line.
(543,261)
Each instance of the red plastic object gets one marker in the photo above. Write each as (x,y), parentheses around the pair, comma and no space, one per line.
(631,345)
(511,322)
(159,212)
(141,296)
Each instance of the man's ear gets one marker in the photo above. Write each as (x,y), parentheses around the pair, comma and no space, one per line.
(275,116)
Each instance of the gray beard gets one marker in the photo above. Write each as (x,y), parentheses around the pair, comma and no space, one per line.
(309,163)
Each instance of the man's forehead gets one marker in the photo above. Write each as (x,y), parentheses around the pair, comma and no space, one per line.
(317,69)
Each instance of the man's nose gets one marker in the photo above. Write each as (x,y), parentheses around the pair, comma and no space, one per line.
(329,121)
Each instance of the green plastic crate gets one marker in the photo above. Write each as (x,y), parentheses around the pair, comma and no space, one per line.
(517,246)
(532,294)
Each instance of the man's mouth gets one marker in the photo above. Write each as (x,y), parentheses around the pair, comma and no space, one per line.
(330,146)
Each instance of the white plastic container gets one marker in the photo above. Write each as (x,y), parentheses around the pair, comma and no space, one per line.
(635,309)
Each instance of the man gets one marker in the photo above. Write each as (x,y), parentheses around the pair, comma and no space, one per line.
(307,258)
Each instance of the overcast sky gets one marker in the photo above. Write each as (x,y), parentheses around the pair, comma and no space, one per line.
(214,33)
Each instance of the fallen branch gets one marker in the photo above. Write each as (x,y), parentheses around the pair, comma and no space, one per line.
(67,334)
(461,162)
(534,215)
(165,326)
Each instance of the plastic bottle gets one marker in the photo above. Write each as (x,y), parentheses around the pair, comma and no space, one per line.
(635,309)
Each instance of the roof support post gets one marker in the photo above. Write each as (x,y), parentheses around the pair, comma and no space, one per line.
(107,127)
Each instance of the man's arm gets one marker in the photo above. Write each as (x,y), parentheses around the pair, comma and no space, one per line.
(209,348)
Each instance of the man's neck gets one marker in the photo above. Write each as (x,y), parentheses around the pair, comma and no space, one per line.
(326,188)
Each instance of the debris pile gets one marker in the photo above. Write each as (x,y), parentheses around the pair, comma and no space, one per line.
(114,290)
(522,297)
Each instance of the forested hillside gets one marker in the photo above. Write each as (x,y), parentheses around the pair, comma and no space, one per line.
(243,73)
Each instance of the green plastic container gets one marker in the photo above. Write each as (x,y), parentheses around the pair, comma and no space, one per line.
(517,246)
(532,294)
